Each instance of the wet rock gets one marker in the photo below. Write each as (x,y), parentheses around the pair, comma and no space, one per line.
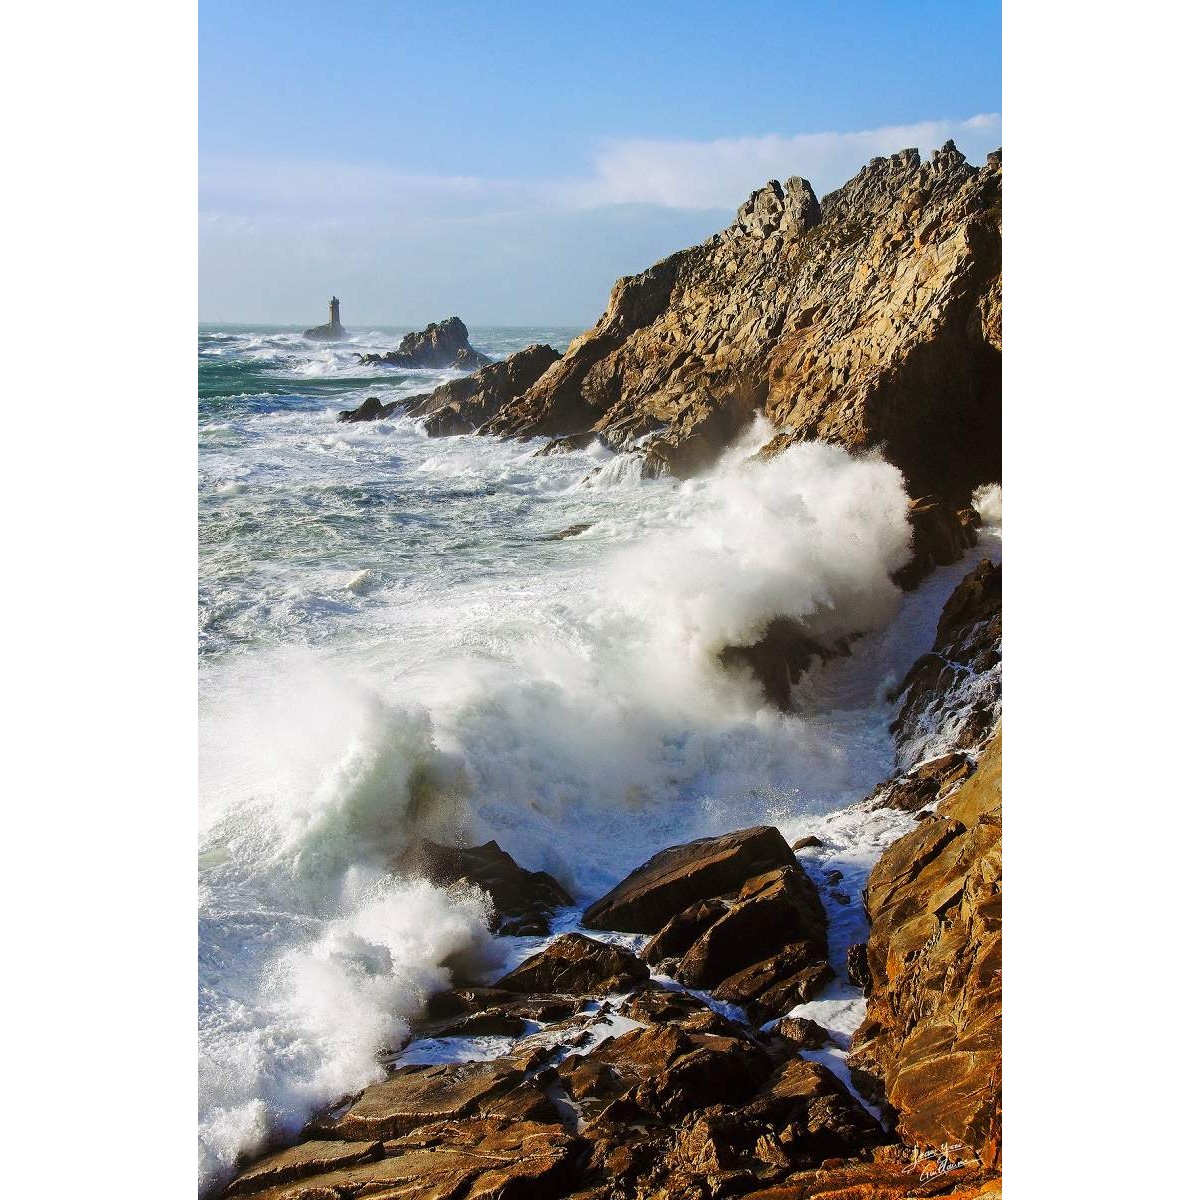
(683,875)
(955,689)
(939,538)
(780,657)
(523,900)
(771,912)
(931,1038)
(657,1006)
(806,1034)
(925,784)
(299,1162)
(570,532)
(462,405)
(805,843)
(683,930)
(858,970)
(439,344)
(577,965)
(766,989)
(416,1095)
(371,409)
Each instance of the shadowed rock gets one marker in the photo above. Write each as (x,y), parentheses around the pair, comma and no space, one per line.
(522,900)
(682,875)
(439,344)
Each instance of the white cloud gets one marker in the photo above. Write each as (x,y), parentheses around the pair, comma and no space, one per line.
(720,174)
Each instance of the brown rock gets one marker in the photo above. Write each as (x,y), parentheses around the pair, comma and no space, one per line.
(462,405)
(925,784)
(858,969)
(938,539)
(371,409)
(439,344)
(805,843)
(577,965)
(421,1095)
(523,900)
(869,319)
(955,688)
(771,912)
(931,1039)
(683,930)
(775,986)
(298,1162)
(479,1159)
(806,1034)
(683,875)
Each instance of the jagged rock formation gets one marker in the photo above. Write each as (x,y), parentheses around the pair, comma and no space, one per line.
(439,344)
(931,1040)
(871,318)
(463,405)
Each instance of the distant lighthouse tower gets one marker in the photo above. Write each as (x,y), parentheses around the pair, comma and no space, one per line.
(333,331)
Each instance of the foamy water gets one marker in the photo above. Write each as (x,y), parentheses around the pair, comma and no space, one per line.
(393,644)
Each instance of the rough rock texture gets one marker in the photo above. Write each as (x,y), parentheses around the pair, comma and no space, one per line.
(954,690)
(462,405)
(439,344)
(577,965)
(869,319)
(682,875)
(924,785)
(522,900)
(939,537)
(930,1043)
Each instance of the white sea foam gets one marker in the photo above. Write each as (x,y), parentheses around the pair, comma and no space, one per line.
(458,675)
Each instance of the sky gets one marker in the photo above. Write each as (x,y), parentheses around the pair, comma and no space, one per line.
(507,162)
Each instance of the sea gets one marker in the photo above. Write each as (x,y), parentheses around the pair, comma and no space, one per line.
(395,641)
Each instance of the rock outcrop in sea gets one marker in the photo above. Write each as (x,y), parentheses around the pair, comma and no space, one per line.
(332,330)
(870,318)
(439,344)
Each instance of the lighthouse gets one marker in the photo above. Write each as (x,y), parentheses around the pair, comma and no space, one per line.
(332,331)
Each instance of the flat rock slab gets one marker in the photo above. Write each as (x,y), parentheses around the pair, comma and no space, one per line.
(681,876)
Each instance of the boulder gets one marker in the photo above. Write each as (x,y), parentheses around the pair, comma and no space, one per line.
(576,965)
(523,901)
(439,344)
(939,538)
(683,875)
(371,409)
(809,842)
(806,1034)
(771,913)
(923,785)
(930,1044)
(796,975)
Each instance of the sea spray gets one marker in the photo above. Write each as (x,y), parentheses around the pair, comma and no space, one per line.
(564,697)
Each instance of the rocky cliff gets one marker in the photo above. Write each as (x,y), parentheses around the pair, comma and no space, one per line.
(870,318)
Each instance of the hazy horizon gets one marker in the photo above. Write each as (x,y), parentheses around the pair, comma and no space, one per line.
(507,178)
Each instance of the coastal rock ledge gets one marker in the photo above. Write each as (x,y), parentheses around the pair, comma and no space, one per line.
(439,344)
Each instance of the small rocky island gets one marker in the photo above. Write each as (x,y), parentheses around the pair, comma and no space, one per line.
(439,344)
(332,330)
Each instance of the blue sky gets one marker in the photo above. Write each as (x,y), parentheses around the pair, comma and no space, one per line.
(506,162)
